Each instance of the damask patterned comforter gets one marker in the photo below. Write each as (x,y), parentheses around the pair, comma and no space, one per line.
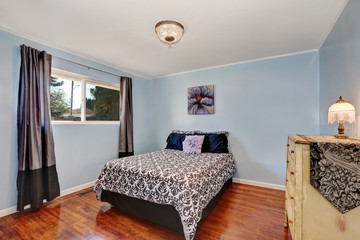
(186,181)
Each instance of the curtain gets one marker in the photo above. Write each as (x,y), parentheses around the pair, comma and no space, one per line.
(126,144)
(37,177)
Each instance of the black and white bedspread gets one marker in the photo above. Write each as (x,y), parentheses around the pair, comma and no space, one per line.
(186,181)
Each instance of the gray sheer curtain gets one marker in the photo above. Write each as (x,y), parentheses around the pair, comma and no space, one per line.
(37,177)
(126,145)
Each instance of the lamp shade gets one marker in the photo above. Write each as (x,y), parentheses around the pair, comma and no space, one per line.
(341,112)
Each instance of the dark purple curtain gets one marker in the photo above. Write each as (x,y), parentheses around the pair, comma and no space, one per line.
(37,177)
(126,145)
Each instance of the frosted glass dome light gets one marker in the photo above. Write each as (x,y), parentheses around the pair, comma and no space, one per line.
(169,32)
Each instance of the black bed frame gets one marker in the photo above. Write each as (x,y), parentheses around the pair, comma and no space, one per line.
(165,215)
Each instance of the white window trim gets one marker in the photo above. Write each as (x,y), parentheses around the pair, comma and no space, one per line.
(84,80)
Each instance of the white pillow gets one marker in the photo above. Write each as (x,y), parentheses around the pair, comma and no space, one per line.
(193,143)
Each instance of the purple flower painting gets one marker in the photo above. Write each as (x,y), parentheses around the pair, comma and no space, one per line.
(201,100)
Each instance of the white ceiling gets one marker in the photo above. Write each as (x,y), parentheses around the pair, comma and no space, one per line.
(121,33)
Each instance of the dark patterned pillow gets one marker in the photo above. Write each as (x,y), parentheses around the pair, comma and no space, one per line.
(175,140)
(215,143)
(193,144)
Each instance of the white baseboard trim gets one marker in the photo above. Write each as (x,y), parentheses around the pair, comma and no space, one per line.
(77,188)
(259,184)
(11,210)
(7,211)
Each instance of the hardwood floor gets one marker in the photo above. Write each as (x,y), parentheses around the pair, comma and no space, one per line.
(243,213)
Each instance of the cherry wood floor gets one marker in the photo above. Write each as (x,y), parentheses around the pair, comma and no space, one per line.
(243,212)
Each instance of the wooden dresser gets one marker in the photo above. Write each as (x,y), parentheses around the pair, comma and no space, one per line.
(308,214)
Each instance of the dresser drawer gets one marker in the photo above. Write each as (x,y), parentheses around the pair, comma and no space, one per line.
(290,177)
(289,205)
(291,149)
(290,184)
(290,163)
(290,172)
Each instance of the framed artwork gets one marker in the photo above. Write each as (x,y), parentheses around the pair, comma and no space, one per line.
(201,100)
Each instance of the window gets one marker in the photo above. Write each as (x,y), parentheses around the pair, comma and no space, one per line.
(65,99)
(102,103)
(76,98)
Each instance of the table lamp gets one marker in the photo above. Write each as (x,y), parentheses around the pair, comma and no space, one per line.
(341,112)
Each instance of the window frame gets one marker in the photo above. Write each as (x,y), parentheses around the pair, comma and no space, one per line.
(84,80)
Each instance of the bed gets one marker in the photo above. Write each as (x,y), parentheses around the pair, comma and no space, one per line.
(169,187)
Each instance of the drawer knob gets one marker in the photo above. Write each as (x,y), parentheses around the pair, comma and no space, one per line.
(287,161)
(290,221)
(292,173)
(287,180)
(288,145)
(292,151)
(291,197)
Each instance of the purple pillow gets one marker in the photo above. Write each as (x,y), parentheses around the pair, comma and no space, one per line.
(193,143)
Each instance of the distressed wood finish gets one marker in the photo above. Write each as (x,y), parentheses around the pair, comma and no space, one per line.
(244,212)
(297,149)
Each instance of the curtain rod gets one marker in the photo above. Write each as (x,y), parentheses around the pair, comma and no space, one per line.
(83,65)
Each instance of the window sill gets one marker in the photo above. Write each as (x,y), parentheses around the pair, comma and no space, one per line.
(85,123)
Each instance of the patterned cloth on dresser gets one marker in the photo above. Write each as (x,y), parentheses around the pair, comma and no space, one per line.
(335,170)
(186,181)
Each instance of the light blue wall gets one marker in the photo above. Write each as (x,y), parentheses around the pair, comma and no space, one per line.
(340,67)
(81,150)
(259,103)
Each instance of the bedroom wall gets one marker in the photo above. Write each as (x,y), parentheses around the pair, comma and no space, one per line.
(258,102)
(340,68)
(81,150)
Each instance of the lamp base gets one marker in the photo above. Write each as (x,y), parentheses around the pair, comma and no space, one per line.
(341,136)
(341,130)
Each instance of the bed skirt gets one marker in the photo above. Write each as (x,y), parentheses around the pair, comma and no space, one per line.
(165,215)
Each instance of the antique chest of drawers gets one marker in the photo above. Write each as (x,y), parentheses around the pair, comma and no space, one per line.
(309,215)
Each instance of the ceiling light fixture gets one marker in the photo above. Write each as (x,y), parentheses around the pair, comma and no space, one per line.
(169,32)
